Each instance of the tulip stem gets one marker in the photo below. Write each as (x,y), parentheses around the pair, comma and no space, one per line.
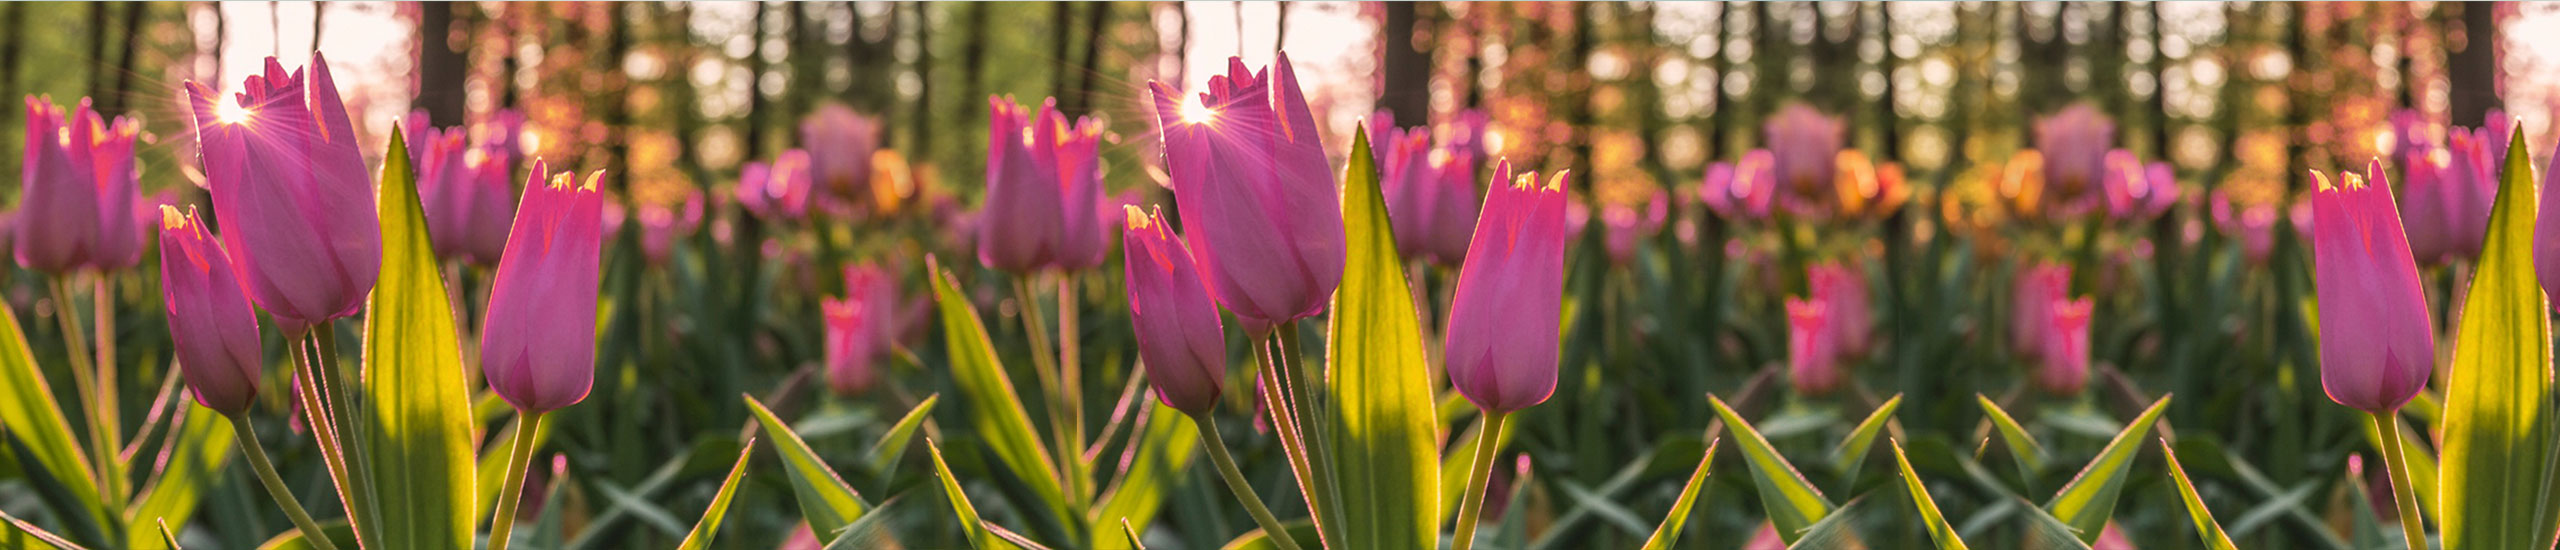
(1070,373)
(343,414)
(2403,495)
(1271,527)
(1471,504)
(511,492)
(1044,362)
(249,445)
(96,393)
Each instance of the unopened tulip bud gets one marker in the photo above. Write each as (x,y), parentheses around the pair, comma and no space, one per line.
(1259,203)
(293,193)
(78,186)
(1044,189)
(538,340)
(210,320)
(1504,317)
(1813,358)
(1179,335)
(2377,346)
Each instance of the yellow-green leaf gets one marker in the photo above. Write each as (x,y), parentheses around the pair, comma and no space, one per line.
(17,533)
(979,537)
(1299,530)
(2023,447)
(709,526)
(1939,531)
(2206,528)
(1165,448)
(197,452)
(2498,421)
(1852,452)
(825,500)
(416,411)
(893,445)
(1385,437)
(29,415)
(1791,502)
(1668,533)
(2090,499)
(995,409)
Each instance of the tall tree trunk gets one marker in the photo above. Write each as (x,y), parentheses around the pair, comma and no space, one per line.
(13,45)
(755,90)
(973,63)
(1888,107)
(920,137)
(1097,18)
(618,115)
(1585,40)
(440,66)
(2160,84)
(97,49)
(1406,91)
(2473,69)
(808,77)
(117,100)
(319,13)
(1062,18)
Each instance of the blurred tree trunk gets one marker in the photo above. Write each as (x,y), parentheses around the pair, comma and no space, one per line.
(441,68)
(1406,91)
(319,14)
(755,147)
(117,100)
(1062,17)
(618,116)
(1097,16)
(13,45)
(973,64)
(97,49)
(1888,113)
(2160,84)
(1579,111)
(808,79)
(920,137)
(2473,67)
(685,102)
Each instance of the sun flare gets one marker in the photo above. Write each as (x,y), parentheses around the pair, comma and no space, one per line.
(1195,112)
(232,113)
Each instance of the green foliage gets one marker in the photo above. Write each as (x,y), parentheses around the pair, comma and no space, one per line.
(415,431)
(2499,427)
(1384,433)
(825,500)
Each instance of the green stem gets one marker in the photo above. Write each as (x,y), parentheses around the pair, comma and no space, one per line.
(1071,377)
(1471,504)
(2403,494)
(1313,419)
(103,318)
(95,396)
(311,532)
(1293,439)
(511,492)
(315,415)
(1044,362)
(1271,527)
(347,417)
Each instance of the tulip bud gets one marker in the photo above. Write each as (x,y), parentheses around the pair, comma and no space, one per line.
(1804,150)
(860,328)
(1044,189)
(1410,182)
(1504,318)
(2469,188)
(2136,191)
(210,321)
(840,143)
(1740,190)
(2062,362)
(538,340)
(1626,226)
(293,193)
(1179,335)
(1842,291)
(2074,144)
(2031,310)
(78,184)
(779,190)
(1813,357)
(2546,235)
(2377,347)
(1260,205)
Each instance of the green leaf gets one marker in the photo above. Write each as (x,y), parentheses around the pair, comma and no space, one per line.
(893,446)
(2498,425)
(2206,527)
(995,409)
(2046,531)
(709,525)
(339,534)
(1165,448)
(29,415)
(1852,452)
(979,537)
(1793,504)
(196,454)
(2023,447)
(416,415)
(1299,530)
(17,533)
(1836,531)
(1668,533)
(825,500)
(2090,498)
(1939,531)
(1385,437)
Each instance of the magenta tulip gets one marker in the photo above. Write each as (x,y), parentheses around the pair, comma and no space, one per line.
(2038,289)
(660,226)
(1504,317)
(1628,226)
(452,187)
(1813,355)
(2074,143)
(856,330)
(2062,357)
(291,189)
(78,183)
(2377,345)
(1804,154)
(1741,189)
(2546,236)
(779,190)
(1842,291)
(211,323)
(1258,201)
(538,340)
(2468,188)
(840,143)
(2137,191)
(1431,193)
(1183,346)
(1044,191)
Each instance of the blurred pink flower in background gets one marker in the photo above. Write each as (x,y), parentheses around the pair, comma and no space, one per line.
(779,190)
(1813,352)
(79,184)
(1741,189)
(2137,191)
(1628,226)
(839,142)
(1804,148)
(2074,143)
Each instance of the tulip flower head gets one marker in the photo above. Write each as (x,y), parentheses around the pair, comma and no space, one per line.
(2137,191)
(210,320)
(1741,189)
(1044,190)
(468,199)
(2467,187)
(2073,144)
(2039,289)
(1813,351)
(293,193)
(1179,335)
(1503,319)
(2546,236)
(779,190)
(78,184)
(1259,203)
(857,329)
(2377,346)
(660,226)
(840,143)
(1804,149)
(1866,189)
(538,340)
(2062,359)
(1842,291)
(1627,226)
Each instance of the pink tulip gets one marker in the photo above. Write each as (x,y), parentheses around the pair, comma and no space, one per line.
(2412,135)
(660,226)
(501,140)
(468,201)
(2039,289)
(2252,225)
(2074,144)
(840,143)
(1044,187)
(1742,189)
(291,189)
(210,320)
(538,340)
(1411,180)
(1179,336)
(1813,354)
(2546,235)
(2377,346)
(779,190)
(78,183)
(1842,291)
(1505,314)
(1466,133)
(1804,149)
(1258,201)
(1628,226)
(2136,191)
(2468,187)
(857,329)
(2062,362)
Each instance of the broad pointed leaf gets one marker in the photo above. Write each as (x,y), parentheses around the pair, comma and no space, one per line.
(2022,447)
(2206,528)
(825,500)
(196,454)
(416,411)
(995,409)
(1939,530)
(1791,502)
(1385,437)
(2498,419)
(1852,452)
(2090,499)
(1668,533)
(979,537)
(709,526)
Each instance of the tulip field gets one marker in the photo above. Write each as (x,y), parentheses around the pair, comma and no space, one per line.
(1283,276)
